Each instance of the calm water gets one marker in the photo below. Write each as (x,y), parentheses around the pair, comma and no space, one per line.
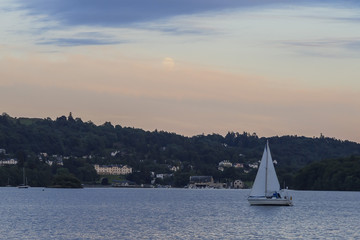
(173,214)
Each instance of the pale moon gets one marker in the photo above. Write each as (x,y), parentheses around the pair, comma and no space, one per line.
(168,63)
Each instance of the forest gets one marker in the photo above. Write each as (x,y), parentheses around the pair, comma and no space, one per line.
(81,144)
(342,174)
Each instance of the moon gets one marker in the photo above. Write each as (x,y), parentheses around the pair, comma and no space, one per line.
(168,63)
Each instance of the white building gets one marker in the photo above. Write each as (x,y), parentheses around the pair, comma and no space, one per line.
(113,169)
(174,168)
(8,162)
(163,175)
(238,184)
(113,154)
(50,163)
(253,165)
(239,165)
(225,163)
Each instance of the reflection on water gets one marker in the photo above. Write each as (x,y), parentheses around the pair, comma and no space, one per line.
(173,214)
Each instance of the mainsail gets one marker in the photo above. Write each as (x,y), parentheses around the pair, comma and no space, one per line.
(266,181)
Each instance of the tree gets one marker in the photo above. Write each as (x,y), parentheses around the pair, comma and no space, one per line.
(181,179)
(104,181)
(64,179)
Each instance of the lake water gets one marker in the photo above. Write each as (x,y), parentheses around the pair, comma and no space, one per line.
(118,213)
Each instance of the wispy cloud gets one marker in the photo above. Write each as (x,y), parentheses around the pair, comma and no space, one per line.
(353,45)
(328,48)
(149,15)
(82,39)
(66,42)
(60,22)
(114,13)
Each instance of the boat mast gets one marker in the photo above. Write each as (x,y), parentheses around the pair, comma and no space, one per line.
(23,175)
(266,166)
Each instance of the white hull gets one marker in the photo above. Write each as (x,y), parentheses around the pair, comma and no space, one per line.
(270,201)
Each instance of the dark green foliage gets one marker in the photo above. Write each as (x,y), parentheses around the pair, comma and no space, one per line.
(38,174)
(104,181)
(341,174)
(148,152)
(181,179)
(81,169)
(10,175)
(140,177)
(66,181)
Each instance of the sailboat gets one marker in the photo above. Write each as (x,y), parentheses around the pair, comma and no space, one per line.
(24,184)
(8,185)
(266,188)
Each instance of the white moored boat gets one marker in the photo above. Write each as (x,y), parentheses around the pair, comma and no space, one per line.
(266,188)
(24,185)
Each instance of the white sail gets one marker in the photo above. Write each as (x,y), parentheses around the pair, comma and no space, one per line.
(266,181)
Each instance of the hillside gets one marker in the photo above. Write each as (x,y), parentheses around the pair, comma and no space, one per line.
(341,174)
(155,151)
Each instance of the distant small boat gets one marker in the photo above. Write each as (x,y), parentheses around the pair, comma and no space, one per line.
(266,189)
(8,185)
(24,184)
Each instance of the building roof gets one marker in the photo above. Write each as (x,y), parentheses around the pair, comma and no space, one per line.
(200,179)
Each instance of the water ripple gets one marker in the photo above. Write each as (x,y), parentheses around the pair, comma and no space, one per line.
(173,214)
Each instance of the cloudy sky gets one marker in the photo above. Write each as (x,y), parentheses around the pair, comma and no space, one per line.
(184,66)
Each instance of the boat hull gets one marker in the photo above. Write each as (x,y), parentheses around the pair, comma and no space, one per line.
(270,201)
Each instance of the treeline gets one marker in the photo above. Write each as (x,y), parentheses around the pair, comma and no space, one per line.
(150,152)
(72,173)
(341,174)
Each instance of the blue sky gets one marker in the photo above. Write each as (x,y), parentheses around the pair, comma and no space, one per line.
(190,67)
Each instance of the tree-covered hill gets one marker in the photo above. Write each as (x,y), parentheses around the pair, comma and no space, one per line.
(155,151)
(342,174)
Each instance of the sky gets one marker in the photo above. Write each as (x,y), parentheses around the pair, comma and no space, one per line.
(269,67)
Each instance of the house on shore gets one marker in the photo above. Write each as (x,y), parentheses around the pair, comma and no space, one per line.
(123,183)
(112,169)
(204,182)
(238,184)
(10,161)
